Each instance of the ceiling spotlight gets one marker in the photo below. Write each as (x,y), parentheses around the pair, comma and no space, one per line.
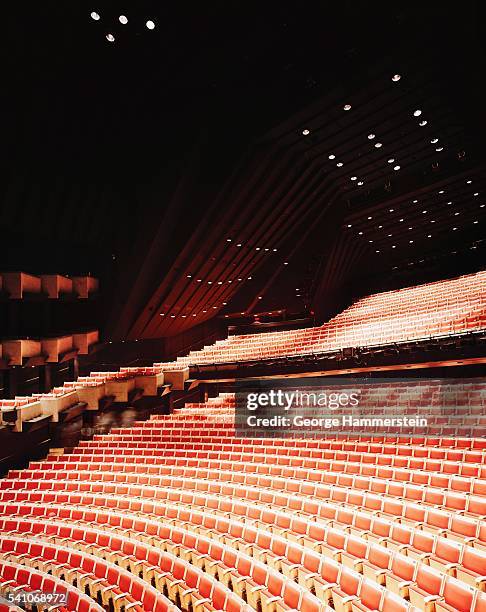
(286,263)
(266,250)
(469,182)
(380,227)
(410,241)
(378,145)
(339,164)
(95,16)
(220,282)
(305,132)
(369,218)
(377,251)
(172,316)
(274,250)
(424,212)
(360,183)
(347,107)
(434,140)
(228,239)
(354,178)
(396,167)
(349,225)
(475,222)
(122,19)
(401,220)
(475,194)
(391,210)
(390,235)
(110,38)
(417,113)
(371,136)
(189,276)
(456,214)
(162,314)
(439,149)
(454,229)
(429,235)
(422,123)
(396,78)
(150,24)
(394,246)
(257,249)
(370,241)
(360,233)
(391,160)
(239,244)
(441,191)
(332,156)
(414,201)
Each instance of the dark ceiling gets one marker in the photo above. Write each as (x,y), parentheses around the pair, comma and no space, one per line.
(172,162)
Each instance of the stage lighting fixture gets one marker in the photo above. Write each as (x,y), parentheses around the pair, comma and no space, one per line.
(347,107)
(371,136)
(434,140)
(439,149)
(95,16)
(123,19)
(422,123)
(305,132)
(378,145)
(391,160)
(110,38)
(417,113)
(332,156)
(396,167)
(150,24)
(396,78)
(339,164)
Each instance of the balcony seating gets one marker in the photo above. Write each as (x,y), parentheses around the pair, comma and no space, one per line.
(19,284)
(442,308)
(177,512)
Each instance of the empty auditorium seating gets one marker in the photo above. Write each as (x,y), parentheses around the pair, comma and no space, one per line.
(177,512)
(451,307)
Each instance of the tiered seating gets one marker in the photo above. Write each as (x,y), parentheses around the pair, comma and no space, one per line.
(178,512)
(432,310)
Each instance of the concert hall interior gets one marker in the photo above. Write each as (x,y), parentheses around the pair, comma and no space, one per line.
(243,306)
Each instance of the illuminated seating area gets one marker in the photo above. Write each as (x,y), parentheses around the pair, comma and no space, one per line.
(177,512)
(442,308)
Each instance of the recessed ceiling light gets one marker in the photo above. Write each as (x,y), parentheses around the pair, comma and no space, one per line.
(429,235)
(439,149)
(332,156)
(410,228)
(274,250)
(266,250)
(172,316)
(469,182)
(123,19)
(210,282)
(391,210)
(162,314)
(286,263)
(369,218)
(456,214)
(230,281)
(394,246)
(475,222)
(220,282)
(239,244)
(378,145)
(214,307)
(396,167)
(150,24)
(410,241)
(189,276)
(475,194)
(415,202)
(257,249)
(354,178)
(347,107)
(305,132)
(391,160)
(417,113)
(434,140)
(433,221)
(194,315)
(360,233)
(370,241)
(377,251)
(339,164)
(441,191)
(95,16)
(396,78)
(228,239)
(424,212)
(371,136)
(422,123)
(390,235)
(349,225)
(110,38)
(183,316)
(482,206)
(454,228)
(401,220)
(360,183)
(249,278)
